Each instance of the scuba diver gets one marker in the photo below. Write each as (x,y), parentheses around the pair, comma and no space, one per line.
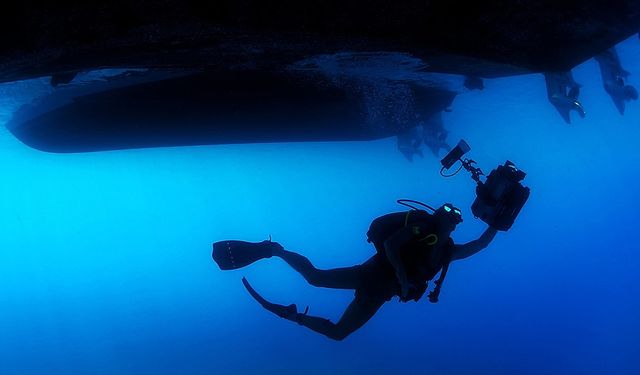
(431,132)
(613,79)
(563,92)
(412,247)
(434,135)
(409,143)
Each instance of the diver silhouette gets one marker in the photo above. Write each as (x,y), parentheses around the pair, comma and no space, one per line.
(431,132)
(411,248)
(613,79)
(563,92)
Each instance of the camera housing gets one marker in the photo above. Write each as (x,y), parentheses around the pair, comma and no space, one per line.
(500,197)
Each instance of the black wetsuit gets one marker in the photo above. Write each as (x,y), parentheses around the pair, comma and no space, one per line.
(421,264)
(375,281)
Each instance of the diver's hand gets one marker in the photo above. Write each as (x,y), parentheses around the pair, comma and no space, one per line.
(405,288)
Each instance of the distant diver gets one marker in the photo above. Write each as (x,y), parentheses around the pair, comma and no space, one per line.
(563,93)
(613,79)
(412,247)
(431,132)
(435,135)
(409,142)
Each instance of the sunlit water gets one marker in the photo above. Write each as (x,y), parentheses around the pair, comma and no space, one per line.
(105,261)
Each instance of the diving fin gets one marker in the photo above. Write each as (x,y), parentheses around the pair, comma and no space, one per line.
(287,312)
(232,254)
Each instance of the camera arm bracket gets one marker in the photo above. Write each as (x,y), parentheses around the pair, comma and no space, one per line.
(476,172)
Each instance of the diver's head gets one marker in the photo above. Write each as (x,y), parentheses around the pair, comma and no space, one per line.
(448,216)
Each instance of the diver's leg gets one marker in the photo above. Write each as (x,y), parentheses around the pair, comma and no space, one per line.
(337,278)
(355,316)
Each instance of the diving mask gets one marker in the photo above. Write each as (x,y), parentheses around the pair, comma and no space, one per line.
(454,212)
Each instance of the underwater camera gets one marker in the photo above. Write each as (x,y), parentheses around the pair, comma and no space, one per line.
(500,197)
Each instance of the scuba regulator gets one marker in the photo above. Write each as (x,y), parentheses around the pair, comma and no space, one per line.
(500,197)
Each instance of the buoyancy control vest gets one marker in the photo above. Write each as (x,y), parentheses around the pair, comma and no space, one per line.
(418,253)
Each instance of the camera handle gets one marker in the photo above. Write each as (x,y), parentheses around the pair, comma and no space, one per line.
(468,165)
(476,172)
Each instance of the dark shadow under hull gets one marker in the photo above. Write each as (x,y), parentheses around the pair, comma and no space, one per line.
(237,107)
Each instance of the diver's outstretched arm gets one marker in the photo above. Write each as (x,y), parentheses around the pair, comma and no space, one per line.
(470,248)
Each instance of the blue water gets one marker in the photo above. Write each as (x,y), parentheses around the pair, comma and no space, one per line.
(105,261)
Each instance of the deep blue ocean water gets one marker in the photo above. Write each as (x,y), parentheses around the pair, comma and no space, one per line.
(105,264)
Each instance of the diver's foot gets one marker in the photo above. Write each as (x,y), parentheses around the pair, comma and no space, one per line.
(286,312)
(289,312)
(274,247)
